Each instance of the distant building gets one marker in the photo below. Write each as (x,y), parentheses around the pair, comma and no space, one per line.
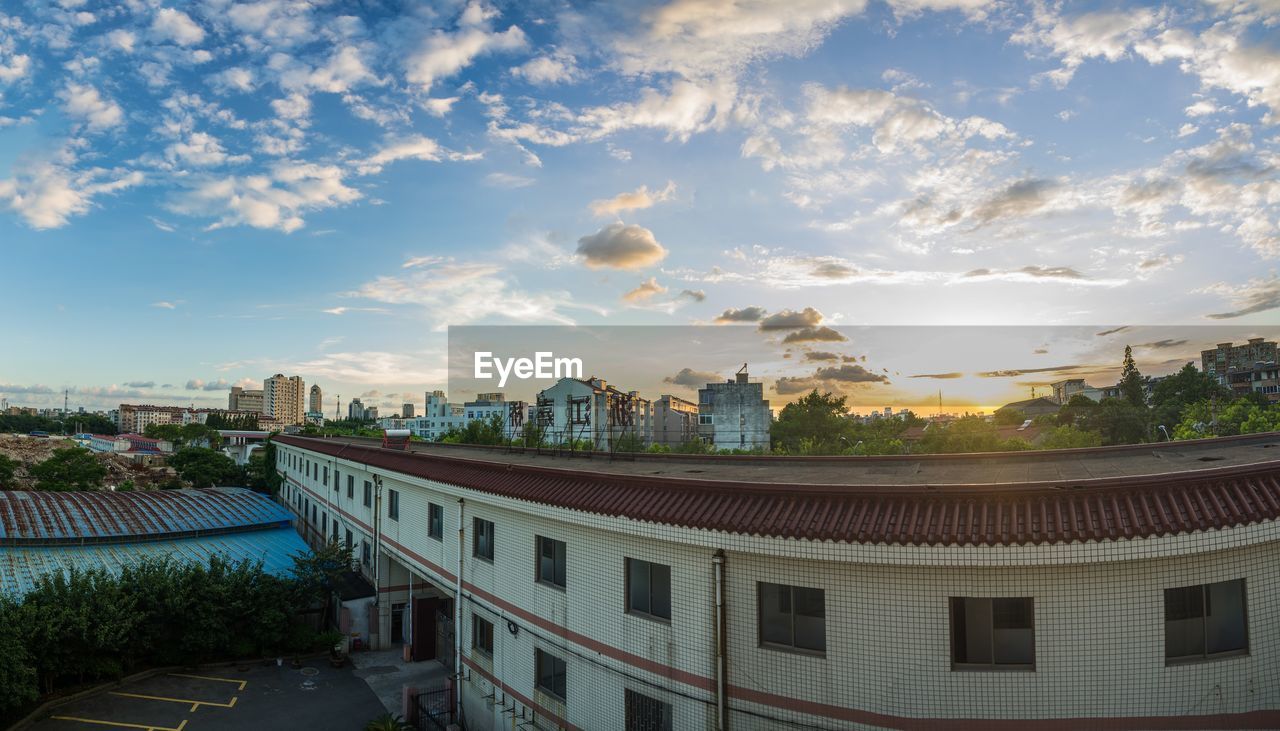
(135,418)
(1031,408)
(591,409)
(1227,358)
(355,410)
(437,419)
(282,399)
(316,405)
(245,400)
(406,411)
(1263,378)
(675,421)
(734,414)
(1064,391)
(488,405)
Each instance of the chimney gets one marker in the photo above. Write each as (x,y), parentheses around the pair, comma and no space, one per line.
(742,376)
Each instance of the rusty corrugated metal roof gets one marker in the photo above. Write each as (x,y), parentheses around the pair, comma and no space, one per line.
(996,513)
(38,516)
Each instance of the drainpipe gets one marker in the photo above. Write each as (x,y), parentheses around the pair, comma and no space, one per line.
(457,617)
(377,550)
(717,563)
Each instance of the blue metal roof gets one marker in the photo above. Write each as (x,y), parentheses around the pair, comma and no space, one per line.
(21,565)
(41,517)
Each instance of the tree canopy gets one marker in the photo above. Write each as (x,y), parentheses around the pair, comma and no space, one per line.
(69,468)
(204,467)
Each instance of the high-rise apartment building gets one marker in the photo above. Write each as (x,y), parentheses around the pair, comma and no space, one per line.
(317,400)
(1228,358)
(283,400)
(406,411)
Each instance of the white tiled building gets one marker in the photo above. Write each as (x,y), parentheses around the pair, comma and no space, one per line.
(588,592)
(592,410)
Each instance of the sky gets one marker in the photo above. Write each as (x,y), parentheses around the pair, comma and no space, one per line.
(200,194)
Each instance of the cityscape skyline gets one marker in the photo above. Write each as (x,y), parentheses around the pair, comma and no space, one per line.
(284,188)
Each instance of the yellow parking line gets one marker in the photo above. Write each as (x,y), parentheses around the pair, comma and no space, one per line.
(241,683)
(195,705)
(119,724)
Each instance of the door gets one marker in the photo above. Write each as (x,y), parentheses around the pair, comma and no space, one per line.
(424,628)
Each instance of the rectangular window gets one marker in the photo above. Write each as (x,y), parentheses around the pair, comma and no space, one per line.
(1206,620)
(364,553)
(551,674)
(324,523)
(393,504)
(368,494)
(793,616)
(351,542)
(704,419)
(647,714)
(483,538)
(337,480)
(551,561)
(351,487)
(481,635)
(335,530)
(435,521)
(325,481)
(993,633)
(648,588)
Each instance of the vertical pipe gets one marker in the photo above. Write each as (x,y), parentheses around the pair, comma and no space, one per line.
(377,554)
(717,562)
(457,616)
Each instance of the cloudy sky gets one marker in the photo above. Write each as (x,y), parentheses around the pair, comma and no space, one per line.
(198,194)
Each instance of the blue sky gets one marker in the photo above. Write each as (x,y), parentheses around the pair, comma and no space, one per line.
(194,195)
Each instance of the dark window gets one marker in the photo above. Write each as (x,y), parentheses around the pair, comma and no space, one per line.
(337,480)
(647,714)
(435,521)
(324,523)
(393,504)
(364,552)
(483,538)
(551,673)
(1206,620)
(351,487)
(481,635)
(649,588)
(551,561)
(993,633)
(368,494)
(335,530)
(325,481)
(351,542)
(793,616)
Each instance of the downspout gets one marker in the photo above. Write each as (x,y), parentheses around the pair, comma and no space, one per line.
(457,617)
(377,550)
(717,563)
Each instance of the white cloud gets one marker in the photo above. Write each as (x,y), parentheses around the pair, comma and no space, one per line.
(200,149)
(645,291)
(177,26)
(294,107)
(236,78)
(439,107)
(444,54)
(274,201)
(84,102)
(1187,130)
(637,199)
(1108,35)
(554,69)
(507,180)
(16,67)
(413,147)
(122,39)
(46,195)
(621,246)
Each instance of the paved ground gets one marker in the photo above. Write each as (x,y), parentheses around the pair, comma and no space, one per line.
(387,674)
(313,698)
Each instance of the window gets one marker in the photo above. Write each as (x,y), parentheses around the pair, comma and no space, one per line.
(551,673)
(351,487)
(324,523)
(368,494)
(793,617)
(393,504)
(325,481)
(351,542)
(335,530)
(1206,620)
(481,635)
(551,563)
(483,538)
(704,419)
(435,521)
(647,714)
(648,588)
(337,480)
(992,633)
(364,552)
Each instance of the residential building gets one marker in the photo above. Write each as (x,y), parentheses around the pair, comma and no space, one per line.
(406,411)
(488,405)
(590,409)
(1032,407)
(136,418)
(47,532)
(734,414)
(437,419)
(1064,391)
(1038,589)
(241,399)
(675,421)
(283,400)
(316,402)
(1263,378)
(1226,358)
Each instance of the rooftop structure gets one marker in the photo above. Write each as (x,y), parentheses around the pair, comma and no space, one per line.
(43,532)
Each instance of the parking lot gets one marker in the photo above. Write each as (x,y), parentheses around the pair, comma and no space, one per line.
(310,698)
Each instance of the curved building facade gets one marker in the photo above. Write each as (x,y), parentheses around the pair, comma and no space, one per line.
(1120,588)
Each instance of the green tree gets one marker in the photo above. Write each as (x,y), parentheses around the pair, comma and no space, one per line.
(69,468)
(479,431)
(203,467)
(7,469)
(1187,386)
(1009,417)
(967,434)
(17,668)
(1118,421)
(1069,437)
(316,575)
(1132,387)
(815,424)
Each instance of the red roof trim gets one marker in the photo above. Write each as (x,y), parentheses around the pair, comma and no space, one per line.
(975,514)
